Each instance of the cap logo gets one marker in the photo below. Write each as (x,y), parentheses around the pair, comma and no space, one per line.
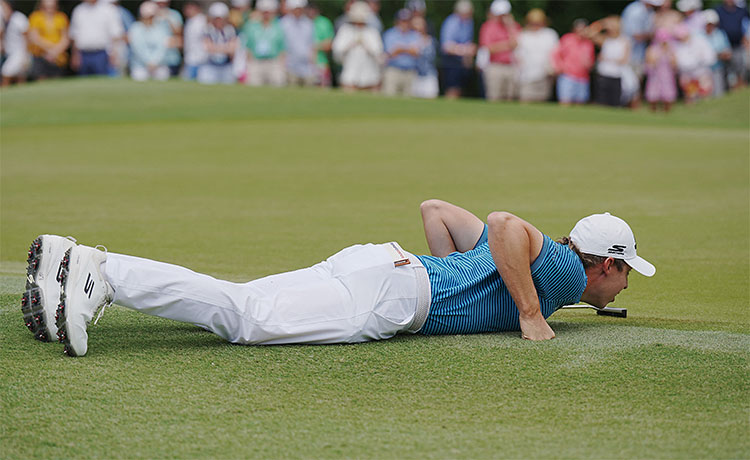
(617,249)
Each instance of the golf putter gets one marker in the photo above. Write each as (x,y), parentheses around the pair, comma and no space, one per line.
(606,311)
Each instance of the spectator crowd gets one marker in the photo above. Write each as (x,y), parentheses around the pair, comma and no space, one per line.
(652,51)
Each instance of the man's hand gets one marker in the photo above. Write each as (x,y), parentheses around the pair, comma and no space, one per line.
(535,328)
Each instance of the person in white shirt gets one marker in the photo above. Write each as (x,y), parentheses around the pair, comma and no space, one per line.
(15,45)
(359,49)
(534,57)
(193,47)
(613,60)
(95,27)
(694,56)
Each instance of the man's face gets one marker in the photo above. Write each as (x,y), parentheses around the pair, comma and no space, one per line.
(611,285)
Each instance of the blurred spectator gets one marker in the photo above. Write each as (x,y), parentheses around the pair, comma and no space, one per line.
(661,66)
(695,57)
(15,45)
(149,43)
(401,45)
(457,48)
(613,60)
(536,43)
(172,20)
(638,26)
(374,19)
(323,29)
(299,37)
(358,47)
(95,29)
(239,14)
(426,83)
(720,44)
(120,51)
(666,17)
(418,9)
(264,42)
(573,60)
(693,15)
(500,36)
(220,41)
(731,18)
(193,46)
(48,41)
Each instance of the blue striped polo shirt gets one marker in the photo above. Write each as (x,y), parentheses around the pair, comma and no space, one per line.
(469,296)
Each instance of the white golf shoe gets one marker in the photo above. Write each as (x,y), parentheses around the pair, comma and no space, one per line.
(39,301)
(83,291)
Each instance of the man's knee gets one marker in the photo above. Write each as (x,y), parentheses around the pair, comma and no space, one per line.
(431,207)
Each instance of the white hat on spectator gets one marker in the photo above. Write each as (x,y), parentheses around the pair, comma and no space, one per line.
(711,17)
(148,9)
(500,7)
(218,10)
(463,7)
(294,4)
(240,3)
(267,5)
(689,5)
(654,2)
(359,12)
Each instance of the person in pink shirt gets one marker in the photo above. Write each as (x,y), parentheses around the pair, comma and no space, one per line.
(499,35)
(573,60)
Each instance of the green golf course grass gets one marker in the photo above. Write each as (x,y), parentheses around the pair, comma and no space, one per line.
(241,183)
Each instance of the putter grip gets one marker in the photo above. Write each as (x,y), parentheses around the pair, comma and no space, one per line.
(619,312)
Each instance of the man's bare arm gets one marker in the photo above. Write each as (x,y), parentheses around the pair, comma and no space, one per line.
(515,244)
(449,228)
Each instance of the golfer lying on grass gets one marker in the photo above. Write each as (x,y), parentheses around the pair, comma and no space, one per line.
(502,276)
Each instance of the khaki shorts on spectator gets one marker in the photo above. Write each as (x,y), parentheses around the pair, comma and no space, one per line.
(300,80)
(535,91)
(397,82)
(500,82)
(262,72)
(142,73)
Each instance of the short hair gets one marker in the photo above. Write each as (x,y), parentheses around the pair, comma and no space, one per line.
(589,260)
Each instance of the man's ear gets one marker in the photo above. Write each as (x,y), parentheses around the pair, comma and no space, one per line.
(608,264)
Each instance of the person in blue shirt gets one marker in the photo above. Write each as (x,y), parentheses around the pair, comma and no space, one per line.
(149,44)
(732,15)
(638,25)
(502,276)
(402,47)
(457,48)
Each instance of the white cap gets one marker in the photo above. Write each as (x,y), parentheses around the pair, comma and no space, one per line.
(294,4)
(267,5)
(711,17)
(218,10)
(500,7)
(608,236)
(689,5)
(654,2)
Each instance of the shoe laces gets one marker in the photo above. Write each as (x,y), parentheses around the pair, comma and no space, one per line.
(108,302)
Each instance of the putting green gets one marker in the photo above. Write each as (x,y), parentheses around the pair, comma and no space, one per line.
(241,183)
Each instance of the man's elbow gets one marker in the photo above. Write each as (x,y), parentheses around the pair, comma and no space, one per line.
(501,219)
(430,207)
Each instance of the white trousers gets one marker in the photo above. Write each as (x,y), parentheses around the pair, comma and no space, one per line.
(356,295)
